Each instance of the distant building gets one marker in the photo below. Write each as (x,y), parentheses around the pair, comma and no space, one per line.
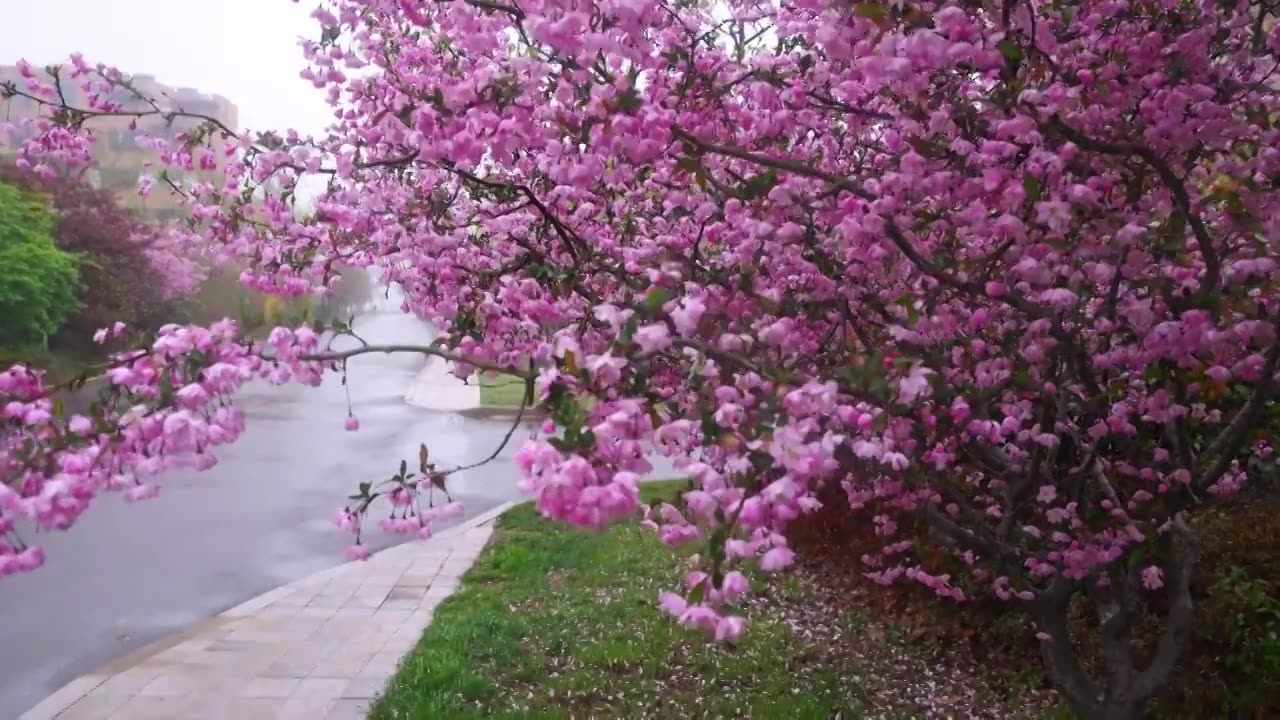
(118,158)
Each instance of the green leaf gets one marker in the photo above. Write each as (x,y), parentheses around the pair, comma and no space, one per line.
(709,427)
(871,11)
(39,280)
(629,100)
(570,363)
(658,297)
(629,330)
(1031,186)
(759,185)
(1011,51)
(1136,557)
(716,545)
(698,593)
(166,389)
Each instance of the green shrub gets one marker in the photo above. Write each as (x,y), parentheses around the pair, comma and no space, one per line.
(38,281)
(1246,613)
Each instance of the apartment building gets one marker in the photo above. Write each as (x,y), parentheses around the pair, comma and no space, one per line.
(119,159)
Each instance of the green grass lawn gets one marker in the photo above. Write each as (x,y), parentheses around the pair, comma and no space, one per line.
(553,622)
(501,391)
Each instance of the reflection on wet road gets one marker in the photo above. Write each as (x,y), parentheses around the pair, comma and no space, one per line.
(127,575)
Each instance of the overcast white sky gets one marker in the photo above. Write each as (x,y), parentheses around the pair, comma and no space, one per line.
(245,50)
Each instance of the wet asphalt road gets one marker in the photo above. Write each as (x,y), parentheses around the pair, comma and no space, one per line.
(127,575)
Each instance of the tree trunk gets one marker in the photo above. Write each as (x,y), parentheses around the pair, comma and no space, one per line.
(1126,689)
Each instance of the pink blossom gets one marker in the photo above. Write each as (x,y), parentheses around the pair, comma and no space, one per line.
(192,395)
(612,315)
(144,491)
(27,560)
(776,559)
(652,338)
(351,423)
(734,586)
(687,316)
(357,552)
(730,628)
(915,385)
(1152,577)
(672,604)
(699,617)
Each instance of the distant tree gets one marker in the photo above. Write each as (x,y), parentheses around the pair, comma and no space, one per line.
(127,271)
(37,279)
(350,294)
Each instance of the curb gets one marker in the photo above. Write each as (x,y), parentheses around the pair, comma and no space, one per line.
(252,605)
(434,389)
(69,694)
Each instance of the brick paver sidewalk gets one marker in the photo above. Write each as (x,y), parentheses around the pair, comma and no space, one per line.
(319,648)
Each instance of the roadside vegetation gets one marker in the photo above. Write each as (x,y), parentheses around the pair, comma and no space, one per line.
(554,622)
(76,260)
(501,391)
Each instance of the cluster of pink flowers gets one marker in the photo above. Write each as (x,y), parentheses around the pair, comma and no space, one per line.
(164,406)
(1007,271)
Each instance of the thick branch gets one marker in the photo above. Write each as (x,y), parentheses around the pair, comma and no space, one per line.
(1114,604)
(1059,653)
(1181,615)
(570,238)
(965,537)
(339,355)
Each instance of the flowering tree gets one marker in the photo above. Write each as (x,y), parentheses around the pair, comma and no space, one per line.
(1005,271)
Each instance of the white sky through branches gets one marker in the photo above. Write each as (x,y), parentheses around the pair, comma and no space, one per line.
(245,50)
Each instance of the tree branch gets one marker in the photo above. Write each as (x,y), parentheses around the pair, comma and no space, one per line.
(339,355)
(524,403)
(1175,185)
(1181,616)
(1060,658)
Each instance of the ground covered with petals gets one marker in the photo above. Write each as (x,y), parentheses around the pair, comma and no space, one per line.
(554,622)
